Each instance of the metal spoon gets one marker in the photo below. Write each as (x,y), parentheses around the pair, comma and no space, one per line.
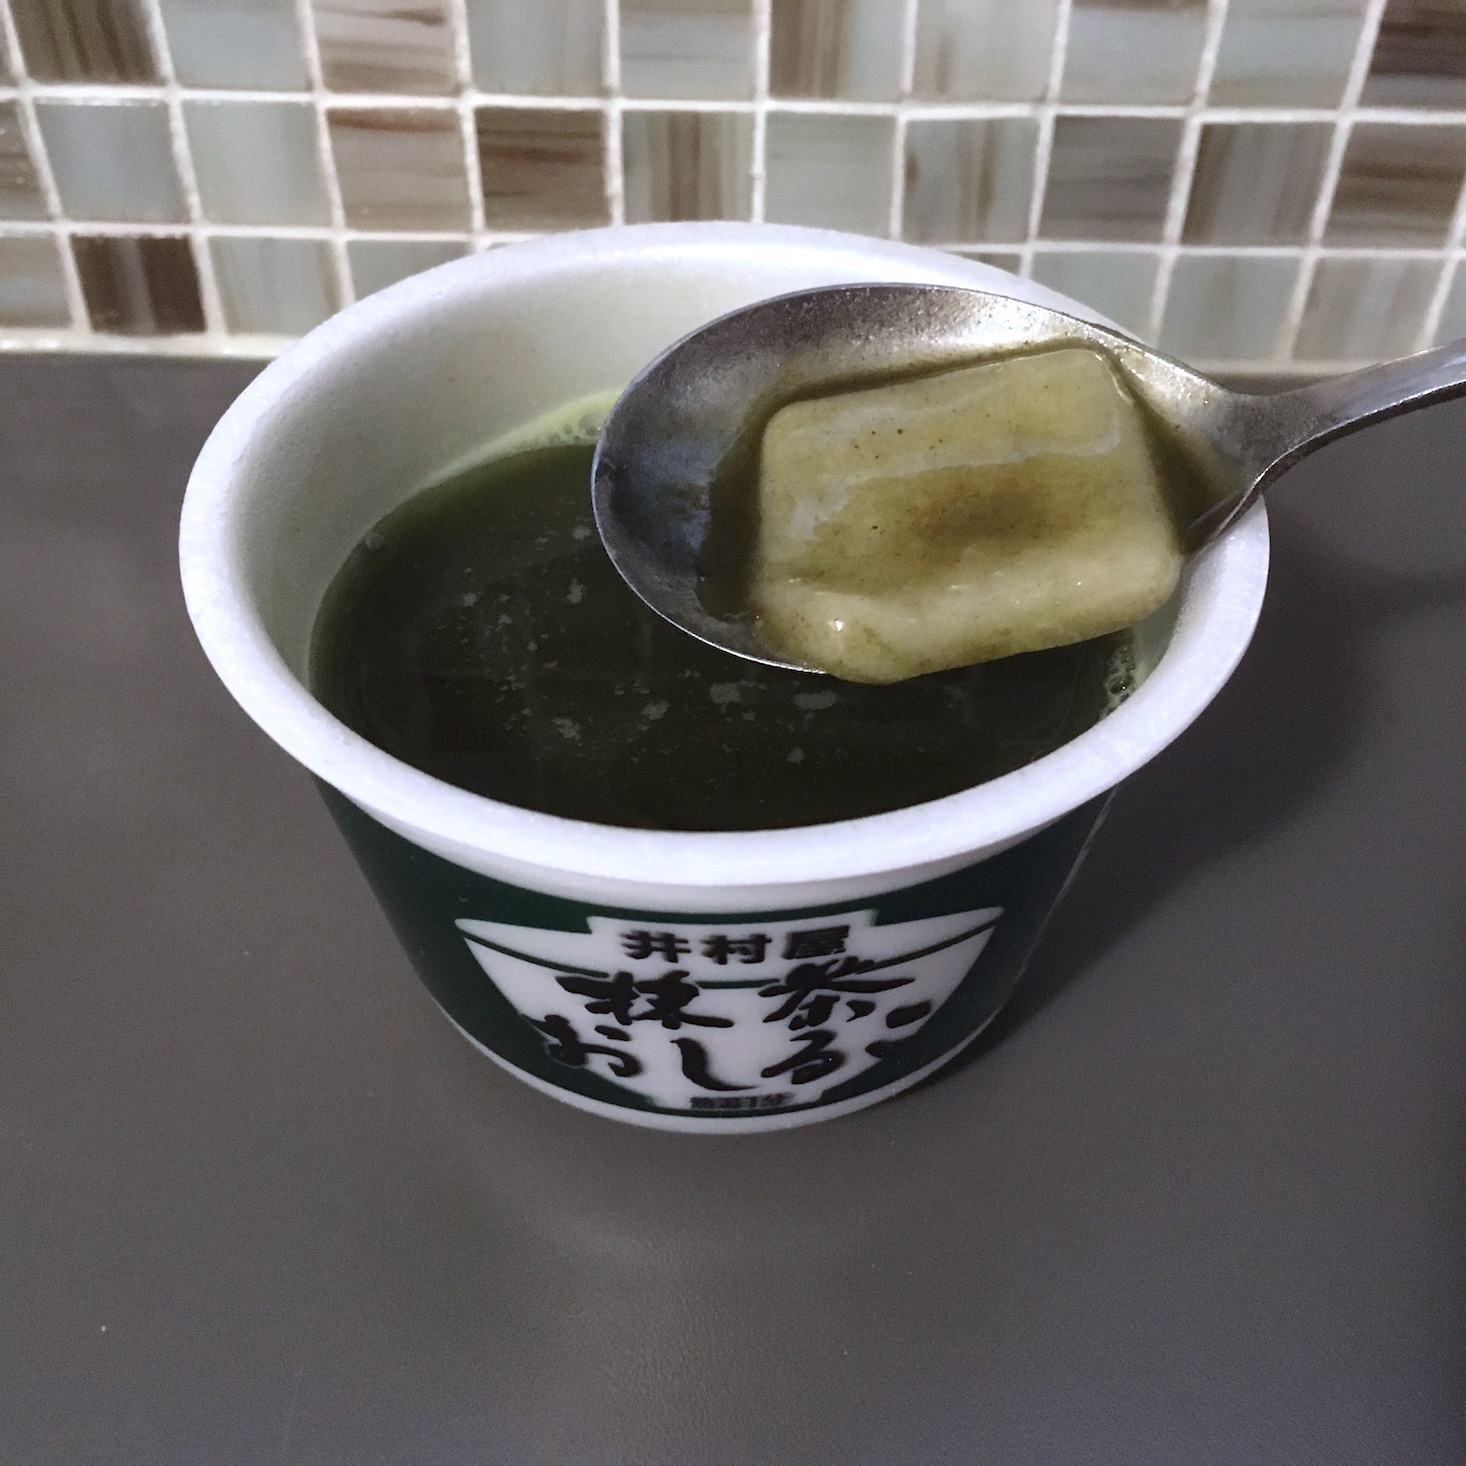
(705,401)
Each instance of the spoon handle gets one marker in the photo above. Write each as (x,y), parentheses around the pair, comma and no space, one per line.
(1308,417)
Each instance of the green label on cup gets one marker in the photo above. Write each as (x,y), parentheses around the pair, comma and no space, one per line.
(719,1016)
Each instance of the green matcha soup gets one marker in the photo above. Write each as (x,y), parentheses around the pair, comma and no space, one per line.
(480,634)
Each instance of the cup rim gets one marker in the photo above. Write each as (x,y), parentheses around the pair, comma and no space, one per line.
(1222,597)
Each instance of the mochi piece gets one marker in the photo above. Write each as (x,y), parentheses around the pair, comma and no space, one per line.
(959,518)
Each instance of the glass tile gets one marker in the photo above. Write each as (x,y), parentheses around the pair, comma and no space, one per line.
(7,72)
(968,178)
(836,48)
(687,48)
(32,292)
(1419,56)
(112,160)
(1365,309)
(256,162)
(686,165)
(1452,324)
(1286,53)
(543,168)
(999,260)
(1109,177)
(1399,185)
(1133,50)
(276,287)
(235,43)
(378,263)
(983,50)
(1116,283)
(1256,183)
(550,48)
(400,168)
(1227,307)
(20,189)
(85,40)
(385,46)
(139,287)
(832,172)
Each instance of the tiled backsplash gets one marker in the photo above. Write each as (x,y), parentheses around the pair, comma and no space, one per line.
(1246,182)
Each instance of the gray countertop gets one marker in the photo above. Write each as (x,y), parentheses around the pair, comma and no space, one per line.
(1201,1196)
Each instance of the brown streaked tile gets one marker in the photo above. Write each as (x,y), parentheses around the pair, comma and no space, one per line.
(1133,50)
(20,189)
(32,292)
(1286,53)
(1399,185)
(139,287)
(1109,177)
(968,179)
(1419,56)
(836,48)
(85,40)
(400,168)
(542,168)
(686,165)
(1365,309)
(687,48)
(385,46)
(1256,183)
(983,50)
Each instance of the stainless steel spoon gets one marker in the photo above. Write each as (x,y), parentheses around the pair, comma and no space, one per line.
(705,401)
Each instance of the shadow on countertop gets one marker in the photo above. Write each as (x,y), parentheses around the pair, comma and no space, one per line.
(1247,768)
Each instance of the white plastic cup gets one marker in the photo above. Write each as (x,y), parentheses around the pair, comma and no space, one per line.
(756,980)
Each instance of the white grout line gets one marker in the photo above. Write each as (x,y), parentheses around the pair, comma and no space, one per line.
(1043,151)
(457,15)
(895,221)
(1219,112)
(1328,186)
(763,30)
(325,156)
(85,92)
(24,97)
(612,128)
(203,257)
(1184,171)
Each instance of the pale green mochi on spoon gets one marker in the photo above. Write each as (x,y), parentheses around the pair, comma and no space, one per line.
(959,518)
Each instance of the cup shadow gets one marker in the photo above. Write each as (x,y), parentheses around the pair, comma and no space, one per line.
(1299,703)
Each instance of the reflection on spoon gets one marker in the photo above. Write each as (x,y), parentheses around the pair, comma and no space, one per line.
(681,447)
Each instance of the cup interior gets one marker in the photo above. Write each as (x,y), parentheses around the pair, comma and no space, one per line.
(386,397)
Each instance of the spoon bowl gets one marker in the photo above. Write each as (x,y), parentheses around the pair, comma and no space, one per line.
(692,420)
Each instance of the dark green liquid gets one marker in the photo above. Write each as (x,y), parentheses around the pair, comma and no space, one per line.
(480,634)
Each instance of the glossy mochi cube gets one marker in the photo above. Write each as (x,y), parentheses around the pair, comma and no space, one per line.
(959,518)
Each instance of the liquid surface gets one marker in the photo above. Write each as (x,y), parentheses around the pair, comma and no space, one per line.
(959,517)
(480,634)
